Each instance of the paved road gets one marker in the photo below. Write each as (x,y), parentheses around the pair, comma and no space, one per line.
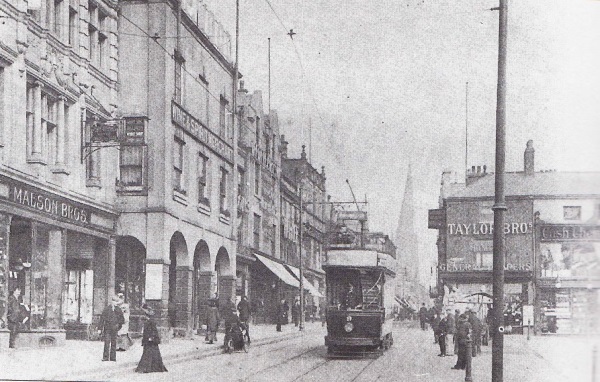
(412,358)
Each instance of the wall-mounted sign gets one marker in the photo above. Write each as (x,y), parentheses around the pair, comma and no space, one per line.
(154,281)
(352,215)
(488,228)
(104,131)
(462,267)
(436,218)
(569,232)
(134,128)
(200,132)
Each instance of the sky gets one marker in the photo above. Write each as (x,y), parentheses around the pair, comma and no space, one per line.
(383,83)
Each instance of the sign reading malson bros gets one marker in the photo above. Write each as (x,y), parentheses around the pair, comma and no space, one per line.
(45,202)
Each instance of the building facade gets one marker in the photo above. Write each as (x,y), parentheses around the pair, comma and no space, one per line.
(176,190)
(551,227)
(58,224)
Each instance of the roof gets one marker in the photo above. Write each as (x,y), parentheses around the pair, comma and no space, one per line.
(538,184)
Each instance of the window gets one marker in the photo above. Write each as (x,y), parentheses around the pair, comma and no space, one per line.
(267,145)
(257,131)
(572,212)
(256,231)
(223,117)
(78,294)
(273,240)
(30,116)
(241,189)
(49,118)
(92,32)
(223,191)
(73,24)
(103,40)
(178,151)
(256,179)
(57,18)
(131,165)
(178,76)
(202,179)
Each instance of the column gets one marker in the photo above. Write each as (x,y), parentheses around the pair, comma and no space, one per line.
(226,289)
(183,298)
(4,292)
(205,289)
(60,132)
(55,279)
(110,279)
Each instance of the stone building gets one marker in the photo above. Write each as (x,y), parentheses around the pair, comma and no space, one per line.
(175,188)
(58,224)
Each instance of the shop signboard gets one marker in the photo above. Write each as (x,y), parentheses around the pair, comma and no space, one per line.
(569,232)
(469,237)
(199,131)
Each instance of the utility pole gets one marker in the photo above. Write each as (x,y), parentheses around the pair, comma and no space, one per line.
(499,202)
(301,267)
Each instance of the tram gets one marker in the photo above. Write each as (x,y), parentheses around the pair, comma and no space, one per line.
(360,279)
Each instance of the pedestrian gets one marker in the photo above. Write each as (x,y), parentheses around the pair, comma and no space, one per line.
(456,315)
(230,317)
(462,336)
(151,361)
(110,323)
(14,316)
(244,312)
(124,342)
(281,315)
(442,330)
(323,313)
(296,312)
(423,316)
(477,330)
(434,325)
(451,327)
(212,322)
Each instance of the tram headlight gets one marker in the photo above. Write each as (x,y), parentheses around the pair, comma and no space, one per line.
(349,327)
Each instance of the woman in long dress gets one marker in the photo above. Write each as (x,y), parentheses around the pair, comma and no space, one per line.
(124,342)
(151,360)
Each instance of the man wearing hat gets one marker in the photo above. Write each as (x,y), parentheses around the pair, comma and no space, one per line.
(111,321)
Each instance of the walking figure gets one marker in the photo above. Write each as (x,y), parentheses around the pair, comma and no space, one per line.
(110,323)
(151,361)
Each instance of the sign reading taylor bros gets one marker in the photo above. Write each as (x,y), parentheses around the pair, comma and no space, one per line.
(194,127)
(42,201)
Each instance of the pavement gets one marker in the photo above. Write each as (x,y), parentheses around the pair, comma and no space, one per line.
(78,359)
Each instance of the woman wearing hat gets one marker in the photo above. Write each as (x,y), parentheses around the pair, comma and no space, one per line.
(124,342)
(151,360)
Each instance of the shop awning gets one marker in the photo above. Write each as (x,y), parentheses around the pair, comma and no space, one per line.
(306,284)
(279,271)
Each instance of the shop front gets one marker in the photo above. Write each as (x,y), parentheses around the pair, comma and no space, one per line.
(57,251)
(569,279)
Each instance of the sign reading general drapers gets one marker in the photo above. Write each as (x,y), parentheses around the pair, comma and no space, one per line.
(194,127)
(45,202)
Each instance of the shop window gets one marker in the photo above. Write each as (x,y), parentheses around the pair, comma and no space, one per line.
(78,292)
(572,212)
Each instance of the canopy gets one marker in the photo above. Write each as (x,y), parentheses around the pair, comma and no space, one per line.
(279,271)
(305,283)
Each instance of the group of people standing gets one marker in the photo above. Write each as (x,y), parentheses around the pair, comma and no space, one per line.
(457,327)
(232,315)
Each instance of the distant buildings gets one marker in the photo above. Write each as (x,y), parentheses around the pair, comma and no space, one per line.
(552,228)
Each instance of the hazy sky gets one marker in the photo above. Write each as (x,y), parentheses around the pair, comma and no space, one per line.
(388,79)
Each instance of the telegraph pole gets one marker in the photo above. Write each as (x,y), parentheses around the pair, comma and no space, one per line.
(499,202)
(301,267)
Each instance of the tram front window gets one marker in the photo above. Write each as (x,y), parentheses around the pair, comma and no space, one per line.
(350,289)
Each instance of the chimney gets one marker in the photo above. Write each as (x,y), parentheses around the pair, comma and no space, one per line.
(284,145)
(303,154)
(528,159)
(242,88)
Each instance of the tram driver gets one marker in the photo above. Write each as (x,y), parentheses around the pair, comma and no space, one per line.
(352,300)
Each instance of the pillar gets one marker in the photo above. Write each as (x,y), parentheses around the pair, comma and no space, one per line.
(56,257)
(226,289)
(183,298)
(206,289)
(4,292)
(110,277)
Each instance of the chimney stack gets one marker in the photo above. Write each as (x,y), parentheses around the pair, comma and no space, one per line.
(528,160)
(303,153)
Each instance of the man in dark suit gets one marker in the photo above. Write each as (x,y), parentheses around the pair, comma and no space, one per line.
(14,316)
(110,322)
(423,316)
(244,311)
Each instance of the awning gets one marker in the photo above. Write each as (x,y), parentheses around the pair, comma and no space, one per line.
(279,271)
(306,284)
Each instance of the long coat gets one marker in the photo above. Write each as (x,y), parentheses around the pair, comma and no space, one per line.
(111,320)
(14,310)
(244,309)
(212,319)
(475,324)
(463,330)
(451,324)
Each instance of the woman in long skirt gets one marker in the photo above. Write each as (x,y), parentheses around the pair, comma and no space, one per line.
(124,342)
(151,360)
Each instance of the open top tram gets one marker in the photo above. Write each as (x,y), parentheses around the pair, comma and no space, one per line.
(360,276)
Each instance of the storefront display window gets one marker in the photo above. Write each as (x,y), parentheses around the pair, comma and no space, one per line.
(568,259)
(39,278)
(78,293)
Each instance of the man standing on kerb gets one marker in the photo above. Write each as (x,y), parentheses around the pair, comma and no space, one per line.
(110,323)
